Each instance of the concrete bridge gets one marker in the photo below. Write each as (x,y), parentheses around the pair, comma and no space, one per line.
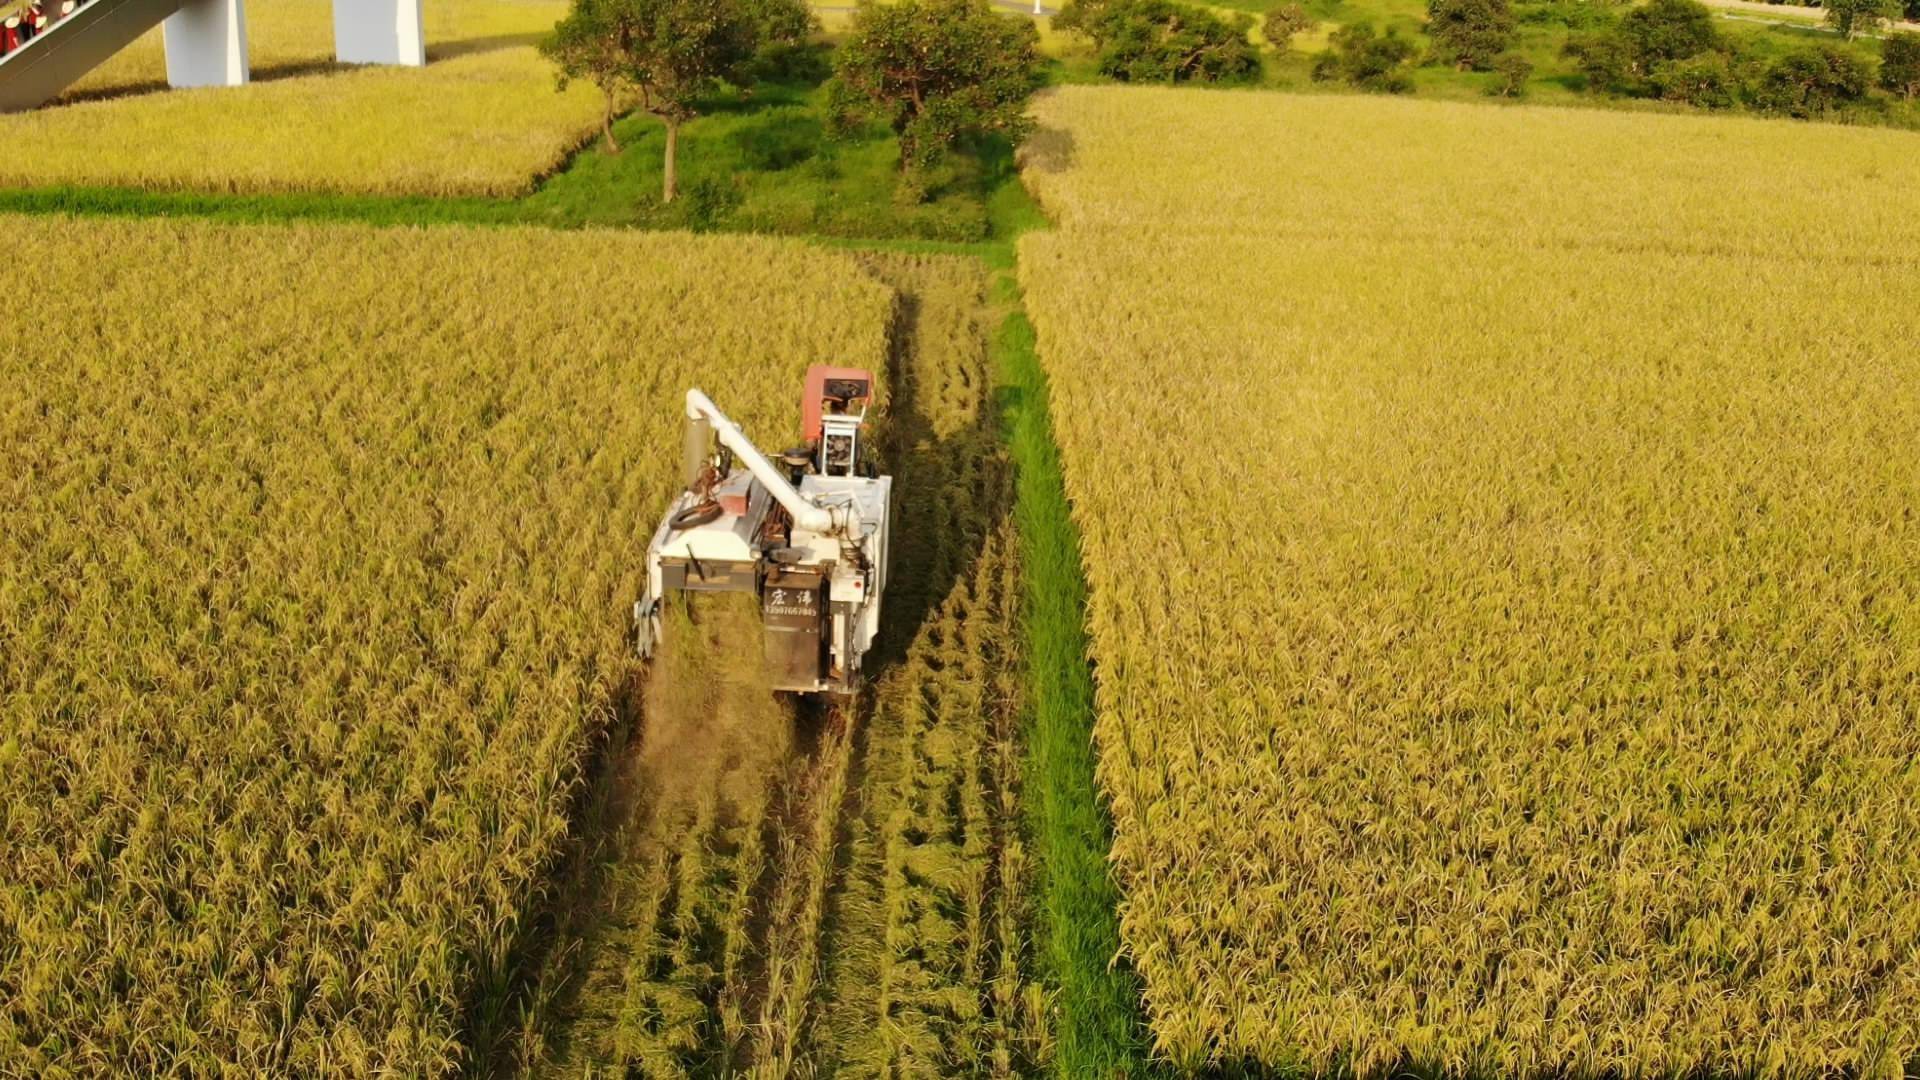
(206,42)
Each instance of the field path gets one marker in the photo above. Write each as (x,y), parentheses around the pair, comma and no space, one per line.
(1789,14)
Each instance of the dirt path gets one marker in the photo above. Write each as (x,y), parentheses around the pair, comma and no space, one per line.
(1788,14)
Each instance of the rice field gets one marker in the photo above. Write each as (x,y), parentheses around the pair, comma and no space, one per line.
(482,119)
(319,549)
(1356,167)
(1501,562)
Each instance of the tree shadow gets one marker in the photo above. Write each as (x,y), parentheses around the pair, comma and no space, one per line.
(302,69)
(293,69)
(1047,150)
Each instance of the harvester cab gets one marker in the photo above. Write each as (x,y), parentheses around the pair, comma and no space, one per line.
(805,532)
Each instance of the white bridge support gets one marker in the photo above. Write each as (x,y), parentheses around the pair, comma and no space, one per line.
(379,32)
(207,44)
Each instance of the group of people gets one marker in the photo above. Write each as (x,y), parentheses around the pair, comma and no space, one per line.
(26,23)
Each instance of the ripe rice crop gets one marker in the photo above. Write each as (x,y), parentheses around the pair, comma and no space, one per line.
(318,549)
(482,118)
(1507,636)
(1362,168)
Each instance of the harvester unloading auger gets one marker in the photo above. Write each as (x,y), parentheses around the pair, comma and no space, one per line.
(807,533)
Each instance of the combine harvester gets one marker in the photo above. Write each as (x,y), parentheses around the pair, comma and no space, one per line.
(807,535)
(206,42)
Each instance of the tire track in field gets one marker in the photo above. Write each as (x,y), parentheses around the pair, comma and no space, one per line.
(724,908)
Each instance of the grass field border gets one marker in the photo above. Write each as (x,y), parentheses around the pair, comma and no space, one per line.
(1100,1028)
(1098,1013)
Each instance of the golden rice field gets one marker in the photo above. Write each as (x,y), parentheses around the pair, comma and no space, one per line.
(314,584)
(482,118)
(1286,164)
(1502,546)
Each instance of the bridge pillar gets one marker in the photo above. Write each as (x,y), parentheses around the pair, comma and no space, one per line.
(207,44)
(379,32)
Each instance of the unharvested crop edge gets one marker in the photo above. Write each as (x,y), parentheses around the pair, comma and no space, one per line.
(1100,1030)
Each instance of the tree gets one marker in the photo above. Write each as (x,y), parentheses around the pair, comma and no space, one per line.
(670,53)
(1367,60)
(936,71)
(1707,81)
(1667,30)
(1623,59)
(1900,64)
(1470,33)
(1286,20)
(1163,41)
(1511,71)
(1812,82)
(589,44)
(1856,17)
(1605,60)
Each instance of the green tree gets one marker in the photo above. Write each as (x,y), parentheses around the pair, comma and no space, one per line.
(1812,82)
(1623,59)
(1470,33)
(1667,30)
(589,44)
(1900,64)
(1856,17)
(1707,81)
(1511,72)
(1286,20)
(669,54)
(1163,41)
(1368,60)
(936,71)
(1605,60)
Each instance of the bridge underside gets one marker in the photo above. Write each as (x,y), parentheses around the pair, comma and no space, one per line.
(206,42)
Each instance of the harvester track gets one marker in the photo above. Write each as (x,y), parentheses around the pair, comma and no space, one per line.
(739,909)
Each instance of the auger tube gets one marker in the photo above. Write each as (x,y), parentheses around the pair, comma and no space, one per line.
(805,514)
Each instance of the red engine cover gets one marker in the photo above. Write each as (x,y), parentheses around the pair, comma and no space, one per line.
(820,379)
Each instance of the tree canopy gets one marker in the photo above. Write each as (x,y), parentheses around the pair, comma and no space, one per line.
(1163,41)
(668,54)
(936,71)
(1470,33)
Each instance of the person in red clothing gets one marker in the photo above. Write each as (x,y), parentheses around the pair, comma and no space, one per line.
(9,34)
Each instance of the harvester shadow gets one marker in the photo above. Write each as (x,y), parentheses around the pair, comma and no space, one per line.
(945,506)
(952,491)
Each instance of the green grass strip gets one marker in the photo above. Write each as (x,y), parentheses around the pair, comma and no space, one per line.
(1098,1029)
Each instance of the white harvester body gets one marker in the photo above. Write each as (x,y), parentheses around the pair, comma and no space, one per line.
(807,534)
